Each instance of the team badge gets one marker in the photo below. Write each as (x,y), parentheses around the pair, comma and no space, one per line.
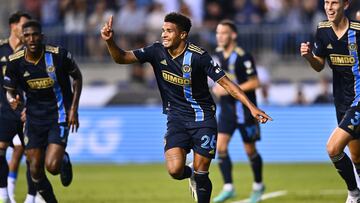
(186,68)
(352,47)
(26,139)
(50,69)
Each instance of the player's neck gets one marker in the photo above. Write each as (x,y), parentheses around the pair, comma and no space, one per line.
(34,57)
(340,25)
(175,52)
(14,42)
(229,49)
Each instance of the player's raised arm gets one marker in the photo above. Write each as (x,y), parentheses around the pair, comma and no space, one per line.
(238,94)
(119,56)
(317,63)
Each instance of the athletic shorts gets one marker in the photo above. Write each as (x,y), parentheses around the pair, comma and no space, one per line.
(39,136)
(9,129)
(350,121)
(249,131)
(198,136)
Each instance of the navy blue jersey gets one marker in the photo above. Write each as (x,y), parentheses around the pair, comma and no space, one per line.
(46,83)
(182,81)
(5,109)
(342,56)
(239,67)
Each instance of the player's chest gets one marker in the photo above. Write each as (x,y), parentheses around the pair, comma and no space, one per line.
(343,53)
(37,76)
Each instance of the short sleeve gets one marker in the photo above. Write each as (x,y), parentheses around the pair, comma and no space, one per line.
(211,68)
(319,47)
(10,79)
(145,54)
(68,61)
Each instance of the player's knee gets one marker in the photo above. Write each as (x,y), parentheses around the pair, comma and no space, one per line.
(222,154)
(355,158)
(53,167)
(333,150)
(176,172)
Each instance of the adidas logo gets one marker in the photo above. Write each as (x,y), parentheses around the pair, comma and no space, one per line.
(212,152)
(3,59)
(351,127)
(329,46)
(163,62)
(26,74)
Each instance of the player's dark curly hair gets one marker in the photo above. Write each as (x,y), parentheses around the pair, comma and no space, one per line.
(229,23)
(32,23)
(183,22)
(15,17)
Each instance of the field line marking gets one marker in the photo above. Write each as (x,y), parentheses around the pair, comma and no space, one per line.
(266,196)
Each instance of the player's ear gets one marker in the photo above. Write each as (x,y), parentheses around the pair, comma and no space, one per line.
(233,36)
(183,35)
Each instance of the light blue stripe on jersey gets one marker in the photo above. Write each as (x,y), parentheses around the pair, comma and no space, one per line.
(199,113)
(355,68)
(50,69)
(239,106)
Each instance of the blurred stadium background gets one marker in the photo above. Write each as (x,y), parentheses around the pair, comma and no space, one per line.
(121,135)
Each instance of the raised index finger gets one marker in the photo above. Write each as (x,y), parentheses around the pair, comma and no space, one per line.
(110,22)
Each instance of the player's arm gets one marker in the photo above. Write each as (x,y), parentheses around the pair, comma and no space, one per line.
(10,84)
(73,122)
(316,62)
(235,91)
(119,55)
(251,84)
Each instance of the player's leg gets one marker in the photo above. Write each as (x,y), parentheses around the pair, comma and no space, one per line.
(30,197)
(4,170)
(18,151)
(354,147)
(201,176)
(225,166)
(36,158)
(57,160)
(175,163)
(335,148)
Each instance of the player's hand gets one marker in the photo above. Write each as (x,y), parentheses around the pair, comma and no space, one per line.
(219,91)
(260,115)
(23,115)
(14,103)
(73,122)
(107,31)
(305,49)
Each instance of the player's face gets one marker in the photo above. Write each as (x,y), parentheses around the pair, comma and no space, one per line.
(171,35)
(335,9)
(224,35)
(32,39)
(17,27)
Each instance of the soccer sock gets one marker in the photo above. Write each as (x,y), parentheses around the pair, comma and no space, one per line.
(187,173)
(29,199)
(344,167)
(30,183)
(45,189)
(256,166)
(11,181)
(225,166)
(357,167)
(4,169)
(203,186)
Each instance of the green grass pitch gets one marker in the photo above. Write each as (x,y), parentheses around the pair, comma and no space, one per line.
(150,183)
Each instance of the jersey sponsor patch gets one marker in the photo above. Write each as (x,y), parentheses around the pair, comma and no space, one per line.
(175,79)
(40,83)
(342,60)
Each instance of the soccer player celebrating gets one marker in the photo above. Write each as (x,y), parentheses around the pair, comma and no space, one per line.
(11,126)
(43,72)
(181,69)
(337,41)
(240,68)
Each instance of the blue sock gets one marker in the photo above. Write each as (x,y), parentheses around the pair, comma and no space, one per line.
(225,166)
(4,169)
(344,167)
(45,189)
(203,186)
(256,166)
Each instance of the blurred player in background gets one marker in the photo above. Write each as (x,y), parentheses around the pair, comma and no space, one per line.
(11,125)
(240,68)
(43,72)
(181,69)
(337,41)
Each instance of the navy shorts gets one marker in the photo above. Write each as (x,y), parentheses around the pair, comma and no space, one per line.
(10,128)
(198,136)
(350,121)
(39,136)
(249,131)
